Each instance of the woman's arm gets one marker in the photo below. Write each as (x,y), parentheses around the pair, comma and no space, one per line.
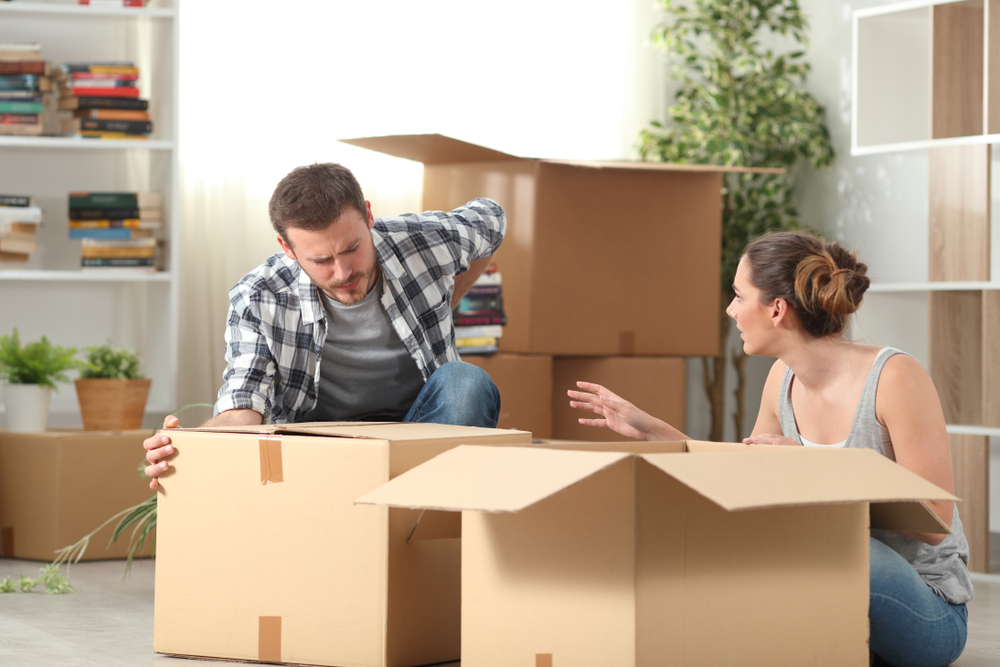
(767,430)
(908,405)
(619,415)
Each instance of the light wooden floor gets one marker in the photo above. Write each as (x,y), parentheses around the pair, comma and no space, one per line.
(109,622)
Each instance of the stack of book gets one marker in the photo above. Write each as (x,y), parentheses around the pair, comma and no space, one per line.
(479,317)
(113,3)
(104,100)
(24,79)
(116,228)
(19,220)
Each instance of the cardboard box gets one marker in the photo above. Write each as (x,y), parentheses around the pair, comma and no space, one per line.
(656,385)
(600,258)
(263,556)
(57,486)
(702,554)
(525,384)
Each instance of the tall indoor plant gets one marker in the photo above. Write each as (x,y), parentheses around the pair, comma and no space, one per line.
(31,372)
(739,104)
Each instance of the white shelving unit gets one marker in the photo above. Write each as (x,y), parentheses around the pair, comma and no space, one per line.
(49,295)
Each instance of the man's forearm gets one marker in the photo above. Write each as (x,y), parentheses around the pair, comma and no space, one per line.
(238,417)
(463,281)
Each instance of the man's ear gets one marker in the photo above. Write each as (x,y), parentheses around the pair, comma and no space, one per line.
(287,248)
(371,218)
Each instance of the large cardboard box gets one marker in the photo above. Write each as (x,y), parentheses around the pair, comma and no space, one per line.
(263,556)
(57,486)
(656,385)
(525,385)
(700,554)
(600,258)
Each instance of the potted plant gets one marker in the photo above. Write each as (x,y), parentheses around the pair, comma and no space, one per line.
(111,390)
(31,372)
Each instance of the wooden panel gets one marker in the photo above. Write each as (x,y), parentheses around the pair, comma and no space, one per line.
(991,359)
(956,354)
(959,213)
(957,69)
(992,74)
(970,455)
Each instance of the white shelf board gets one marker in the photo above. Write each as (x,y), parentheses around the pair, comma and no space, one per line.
(85,10)
(122,276)
(956,286)
(972,429)
(81,143)
(879,149)
(900,7)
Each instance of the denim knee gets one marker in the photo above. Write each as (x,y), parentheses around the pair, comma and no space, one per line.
(458,393)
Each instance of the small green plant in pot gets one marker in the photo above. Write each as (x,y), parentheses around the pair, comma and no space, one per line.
(31,372)
(111,390)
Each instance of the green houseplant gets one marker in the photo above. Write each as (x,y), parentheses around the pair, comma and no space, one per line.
(32,372)
(111,390)
(739,104)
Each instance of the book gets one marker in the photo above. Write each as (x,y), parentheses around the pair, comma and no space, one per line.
(115,199)
(94,134)
(73,125)
(23,129)
(69,103)
(39,67)
(475,342)
(19,118)
(127,223)
(112,3)
(118,262)
(104,67)
(21,95)
(478,320)
(25,82)
(479,304)
(491,278)
(111,114)
(106,81)
(493,330)
(13,257)
(96,91)
(485,349)
(117,251)
(104,215)
(110,233)
(148,242)
(98,76)
(20,238)
(484,290)
(16,200)
(20,51)
(20,214)
(22,106)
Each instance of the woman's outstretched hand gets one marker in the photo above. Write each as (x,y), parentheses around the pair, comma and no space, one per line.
(771,439)
(615,413)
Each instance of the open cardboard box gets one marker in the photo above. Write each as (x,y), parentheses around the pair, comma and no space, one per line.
(600,258)
(682,553)
(263,556)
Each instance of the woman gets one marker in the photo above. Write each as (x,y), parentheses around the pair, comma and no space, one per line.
(794,295)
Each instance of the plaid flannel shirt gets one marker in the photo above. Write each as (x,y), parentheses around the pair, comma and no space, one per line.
(277,324)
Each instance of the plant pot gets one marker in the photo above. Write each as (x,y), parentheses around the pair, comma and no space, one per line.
(112,405)
(27,407)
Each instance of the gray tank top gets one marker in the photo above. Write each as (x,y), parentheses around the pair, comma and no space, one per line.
(943,567)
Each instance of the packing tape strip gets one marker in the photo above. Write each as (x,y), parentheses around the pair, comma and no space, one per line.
(270,459)
(269,639)
(626,343)
(543,660)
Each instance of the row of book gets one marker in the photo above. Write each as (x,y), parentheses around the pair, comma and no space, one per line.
(19,220)
(24,86)
(479,317)
(116,229)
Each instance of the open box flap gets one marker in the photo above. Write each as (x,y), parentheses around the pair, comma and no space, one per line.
(393,431)
(489,479)
(797,476)
(429,148)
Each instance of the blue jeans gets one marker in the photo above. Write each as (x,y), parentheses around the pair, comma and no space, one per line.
(910,625)
(457,393)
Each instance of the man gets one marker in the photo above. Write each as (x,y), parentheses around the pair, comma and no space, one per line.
(352,321)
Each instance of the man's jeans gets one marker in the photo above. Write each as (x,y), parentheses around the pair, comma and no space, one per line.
(457,393)
(910,625)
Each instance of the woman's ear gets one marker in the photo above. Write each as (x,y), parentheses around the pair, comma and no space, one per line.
(780,313)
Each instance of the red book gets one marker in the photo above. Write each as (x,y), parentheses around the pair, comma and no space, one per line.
(93,76)
(113,3)
(125,91)
(40,67)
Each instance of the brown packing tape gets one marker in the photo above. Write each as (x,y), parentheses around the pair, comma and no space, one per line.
(270,459)
(543,660)
(626,343)
(7,544)
(269,639)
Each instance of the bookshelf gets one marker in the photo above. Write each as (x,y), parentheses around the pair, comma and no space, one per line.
(49,295)
(927,78)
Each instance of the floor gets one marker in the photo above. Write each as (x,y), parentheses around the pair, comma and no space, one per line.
(108,622)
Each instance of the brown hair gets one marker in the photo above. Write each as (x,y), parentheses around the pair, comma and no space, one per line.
(822,282)
(312,197)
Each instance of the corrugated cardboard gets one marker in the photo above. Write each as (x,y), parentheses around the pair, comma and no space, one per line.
(656,385)
(262,555)
(701,554)
(525,385)
(56,487)
(600,258)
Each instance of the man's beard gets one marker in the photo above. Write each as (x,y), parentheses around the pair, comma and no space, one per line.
(358,293)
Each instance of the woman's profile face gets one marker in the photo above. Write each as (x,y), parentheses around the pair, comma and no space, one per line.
(751,315)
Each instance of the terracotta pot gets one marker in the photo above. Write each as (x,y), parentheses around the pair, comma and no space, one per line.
(112,405)
(27,407)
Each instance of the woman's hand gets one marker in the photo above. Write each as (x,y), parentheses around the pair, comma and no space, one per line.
(619,415)
(771,439)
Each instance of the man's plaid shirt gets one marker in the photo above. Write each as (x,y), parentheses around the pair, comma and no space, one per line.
(277,324)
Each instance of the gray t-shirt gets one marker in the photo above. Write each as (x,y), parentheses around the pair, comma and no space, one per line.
(943,567)
(365,372)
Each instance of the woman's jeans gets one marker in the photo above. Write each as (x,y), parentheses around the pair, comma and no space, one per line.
(457,393)
(910,625)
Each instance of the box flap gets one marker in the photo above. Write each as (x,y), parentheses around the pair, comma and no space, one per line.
(797,476)
(664,166)
(429,148)
(489,479)
(393,431)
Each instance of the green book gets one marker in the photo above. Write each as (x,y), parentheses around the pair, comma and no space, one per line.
(18,106)
(115,200)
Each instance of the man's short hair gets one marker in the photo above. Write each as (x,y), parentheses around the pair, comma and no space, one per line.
(313,196)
